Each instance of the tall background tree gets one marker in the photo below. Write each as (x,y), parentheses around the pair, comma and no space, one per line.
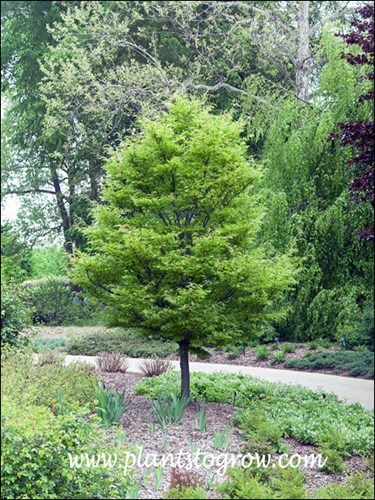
(359,135)
(76,85)
(26,167)
(306,187)
(82,71)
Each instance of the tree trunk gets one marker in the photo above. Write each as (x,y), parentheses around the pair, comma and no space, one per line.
(94,175)
(303,55)
(184,365)
(66,225)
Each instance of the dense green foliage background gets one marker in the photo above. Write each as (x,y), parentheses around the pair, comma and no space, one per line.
(80,75)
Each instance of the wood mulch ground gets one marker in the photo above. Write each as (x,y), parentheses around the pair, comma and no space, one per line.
(141,431)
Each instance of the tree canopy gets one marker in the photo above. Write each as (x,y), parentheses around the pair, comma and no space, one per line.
(173,247)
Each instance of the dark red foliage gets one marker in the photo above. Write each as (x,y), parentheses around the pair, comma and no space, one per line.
(360,134)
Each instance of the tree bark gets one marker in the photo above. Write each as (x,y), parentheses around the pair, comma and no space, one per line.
(65,220)
(94,174)
(303,55)
(184,365)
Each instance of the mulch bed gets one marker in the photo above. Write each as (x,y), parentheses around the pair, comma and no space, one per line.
(182,436)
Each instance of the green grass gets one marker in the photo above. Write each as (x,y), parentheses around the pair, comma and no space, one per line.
(353,362)
(298,412)
(127,342)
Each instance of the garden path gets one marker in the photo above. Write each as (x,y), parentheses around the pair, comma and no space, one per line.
(353,390)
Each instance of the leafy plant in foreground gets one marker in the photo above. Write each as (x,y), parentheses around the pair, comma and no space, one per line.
(111,405)
(35,451)
(202,417)
(169,411)
(221,439)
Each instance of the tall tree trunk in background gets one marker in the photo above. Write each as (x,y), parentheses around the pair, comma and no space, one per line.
(184,365)
(303,55)
(65,219)
(94,175)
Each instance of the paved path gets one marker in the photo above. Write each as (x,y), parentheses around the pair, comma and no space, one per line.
(353,390)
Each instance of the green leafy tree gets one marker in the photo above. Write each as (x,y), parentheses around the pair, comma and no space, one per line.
(75,76)
(49,261)
(15,255)
(16,315)
(173,248)
(306,187)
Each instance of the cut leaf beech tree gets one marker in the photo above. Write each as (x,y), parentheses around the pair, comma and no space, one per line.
(173,247)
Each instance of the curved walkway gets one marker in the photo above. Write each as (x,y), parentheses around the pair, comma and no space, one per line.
(352,390)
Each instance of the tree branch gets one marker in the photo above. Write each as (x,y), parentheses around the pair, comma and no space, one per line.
(319,24)
(45,233)
(28,191)
(223,85)
(272,15)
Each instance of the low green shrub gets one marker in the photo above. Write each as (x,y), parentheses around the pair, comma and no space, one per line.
(278,357)
(333,448)
(326,344)
(254,483)
(44,345)
(35,456)
(370,463)
(356,486)
(353,362)
(307,354)
(16,315)
(185,493)
(314,344)
(126,342)
(334,460)
(262,436)
(261,352)
(234,351)
(288,347)
(54,302)
(298,412)
(362,348)
(25,382)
